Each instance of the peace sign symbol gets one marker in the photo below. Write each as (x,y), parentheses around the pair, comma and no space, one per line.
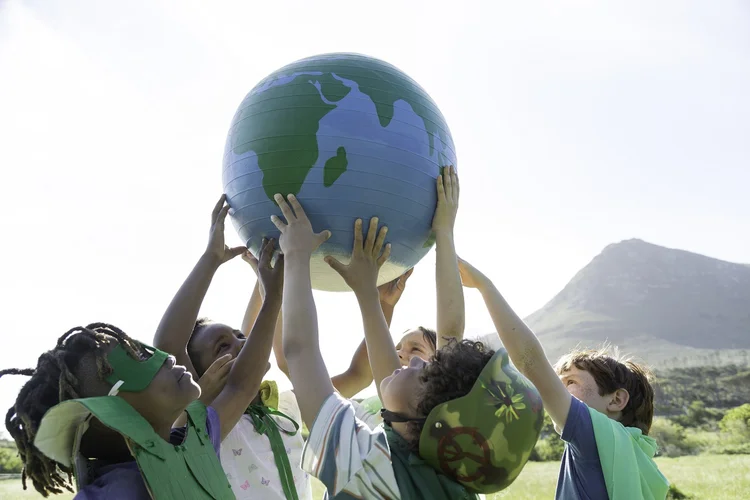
(449,451)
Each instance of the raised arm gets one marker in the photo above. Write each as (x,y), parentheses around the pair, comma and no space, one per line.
(361,275)
(245,376)
(307,371)
(450,294)
(176,326)
(523,347)
(359,375)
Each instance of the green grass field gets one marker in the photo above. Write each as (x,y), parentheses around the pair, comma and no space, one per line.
(724,477)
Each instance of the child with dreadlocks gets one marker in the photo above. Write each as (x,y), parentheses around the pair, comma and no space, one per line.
(601,406)
(100,406)
(463,424)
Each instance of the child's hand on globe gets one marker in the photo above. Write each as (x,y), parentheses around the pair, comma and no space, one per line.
(361,274)
(390,292)
(471,277)
(447,201)
(297,236)
(216,249)
(271,277)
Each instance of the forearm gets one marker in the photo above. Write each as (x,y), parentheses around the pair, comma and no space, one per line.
(250,366)
(252,310)
(299,315)
(380,348)
(278,346)
(523,347)
(176,326)
(357,377)
(387,312)
(450,293)
(307,371)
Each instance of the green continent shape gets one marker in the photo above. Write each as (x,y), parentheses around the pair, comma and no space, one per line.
(384,85)
(335,166)
(283,135)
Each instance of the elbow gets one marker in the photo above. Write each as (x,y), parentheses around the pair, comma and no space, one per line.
(293,348)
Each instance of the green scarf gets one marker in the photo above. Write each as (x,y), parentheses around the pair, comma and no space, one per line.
(627,459)
(416,479)
(261,415)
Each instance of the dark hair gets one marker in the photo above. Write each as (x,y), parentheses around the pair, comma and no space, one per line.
(611,374)
(429,335)
(56,379)
(450,374)
(199,324)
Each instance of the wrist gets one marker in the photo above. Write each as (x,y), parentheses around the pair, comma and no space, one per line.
(210,260)
(368,294)
(444,234)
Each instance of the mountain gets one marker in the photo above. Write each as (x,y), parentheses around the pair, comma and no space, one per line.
(653,302)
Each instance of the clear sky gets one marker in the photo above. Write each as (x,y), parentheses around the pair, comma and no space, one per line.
(577,124)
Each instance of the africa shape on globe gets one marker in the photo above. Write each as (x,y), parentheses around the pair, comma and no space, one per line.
(352,137)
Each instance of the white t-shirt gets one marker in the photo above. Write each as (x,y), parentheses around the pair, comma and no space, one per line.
(248,461)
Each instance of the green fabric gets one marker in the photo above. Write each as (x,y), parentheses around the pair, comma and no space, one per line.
(372,405)
(484,438)
(626,457)
(264,424)
(416,479)
(137,374)
(189,471)
(269,393)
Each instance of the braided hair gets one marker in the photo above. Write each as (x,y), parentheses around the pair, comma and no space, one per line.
(54,380)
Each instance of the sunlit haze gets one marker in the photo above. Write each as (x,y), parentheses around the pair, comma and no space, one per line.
(577,124)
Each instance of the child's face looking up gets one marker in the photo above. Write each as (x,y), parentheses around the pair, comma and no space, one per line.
(213,341)
(581,384)
(399,390)
(412,344)
(170,391)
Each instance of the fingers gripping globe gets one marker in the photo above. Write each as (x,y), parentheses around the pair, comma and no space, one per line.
(351,137)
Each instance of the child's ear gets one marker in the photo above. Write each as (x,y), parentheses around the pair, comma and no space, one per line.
(618,401)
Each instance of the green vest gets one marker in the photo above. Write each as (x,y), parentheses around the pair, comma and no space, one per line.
(189,471)
(418,480)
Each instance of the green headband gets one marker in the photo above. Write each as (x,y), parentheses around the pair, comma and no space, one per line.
(484,438)
(134,375)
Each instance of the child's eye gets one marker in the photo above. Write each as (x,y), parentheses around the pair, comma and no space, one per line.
(570,382)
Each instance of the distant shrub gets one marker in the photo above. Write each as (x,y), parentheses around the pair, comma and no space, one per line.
(737,421)
(671,438)
(9,461)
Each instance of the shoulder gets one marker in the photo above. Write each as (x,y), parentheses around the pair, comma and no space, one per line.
(368,412)
(346,454)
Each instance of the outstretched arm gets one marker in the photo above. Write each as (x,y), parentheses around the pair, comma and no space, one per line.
(245,376)
(523,347)
(361,275)
(450,294)
(359,375)
(176,326)
(307,371)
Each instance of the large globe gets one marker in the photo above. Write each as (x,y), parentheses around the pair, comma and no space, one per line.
(351,136)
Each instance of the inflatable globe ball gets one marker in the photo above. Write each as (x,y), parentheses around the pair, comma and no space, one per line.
(351,137)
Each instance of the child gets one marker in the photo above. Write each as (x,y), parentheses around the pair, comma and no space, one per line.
(100,406)
(262,454)
(602,407)
(423,342)
(473,419)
